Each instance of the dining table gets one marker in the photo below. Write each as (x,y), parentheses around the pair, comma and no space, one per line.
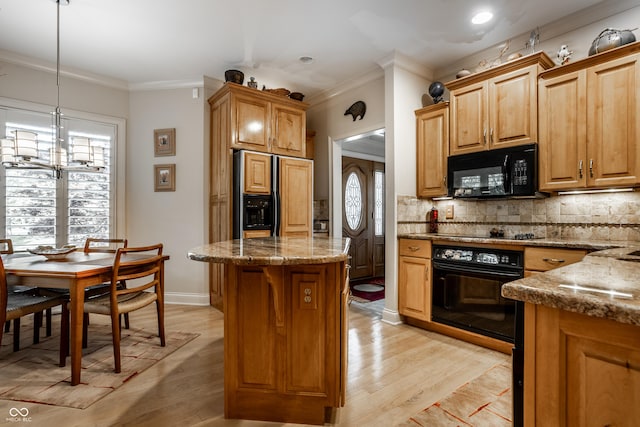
(76,271)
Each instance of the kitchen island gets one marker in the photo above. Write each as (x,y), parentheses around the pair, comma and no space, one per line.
(285,326)
(582,341)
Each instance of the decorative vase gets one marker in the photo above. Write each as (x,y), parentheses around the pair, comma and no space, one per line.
(234,76)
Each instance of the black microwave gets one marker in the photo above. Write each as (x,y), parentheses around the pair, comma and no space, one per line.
(505,172)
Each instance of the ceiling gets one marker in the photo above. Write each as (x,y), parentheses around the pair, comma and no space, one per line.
(144,42)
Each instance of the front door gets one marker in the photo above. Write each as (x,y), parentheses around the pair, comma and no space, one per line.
(362,216)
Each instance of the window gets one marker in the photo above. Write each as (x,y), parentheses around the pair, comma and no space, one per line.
(378,210)
(39,209)
(353,201)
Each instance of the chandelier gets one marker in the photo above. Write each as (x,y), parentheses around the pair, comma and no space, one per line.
(22,148)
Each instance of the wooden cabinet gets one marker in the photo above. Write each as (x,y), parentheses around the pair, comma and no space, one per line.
(579,370)
(285,350)
(590,122)
(498,107)
(251,120)
(257,173)
(540,259)
(432,149)
(296,197)
(414,278)
(265,122)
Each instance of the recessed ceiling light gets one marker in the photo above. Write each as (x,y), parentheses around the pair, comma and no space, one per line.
(306,59)
(481,18)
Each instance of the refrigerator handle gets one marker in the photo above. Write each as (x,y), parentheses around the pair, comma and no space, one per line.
(276,214)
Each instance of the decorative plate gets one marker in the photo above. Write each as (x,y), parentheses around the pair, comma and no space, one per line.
(52,253)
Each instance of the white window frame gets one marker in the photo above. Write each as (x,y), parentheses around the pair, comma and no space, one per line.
(118,180)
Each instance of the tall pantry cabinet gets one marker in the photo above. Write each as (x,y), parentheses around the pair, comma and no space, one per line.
(243,118)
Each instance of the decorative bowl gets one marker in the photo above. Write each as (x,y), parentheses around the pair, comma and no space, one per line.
(279,91)
(296,95)
(234,76)
(52,253)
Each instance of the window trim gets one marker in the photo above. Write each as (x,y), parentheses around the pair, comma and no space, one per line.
(119,150)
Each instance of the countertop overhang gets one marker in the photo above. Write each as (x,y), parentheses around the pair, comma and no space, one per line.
(274,251)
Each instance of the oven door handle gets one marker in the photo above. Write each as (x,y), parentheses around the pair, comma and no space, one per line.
(468,269)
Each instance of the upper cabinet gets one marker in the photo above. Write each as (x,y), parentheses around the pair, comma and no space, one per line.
(589,122)
(262,121)
(497,107)
(432,149)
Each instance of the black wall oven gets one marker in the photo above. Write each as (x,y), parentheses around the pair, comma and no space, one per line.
(467,284)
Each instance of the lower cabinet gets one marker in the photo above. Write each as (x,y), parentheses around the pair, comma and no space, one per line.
(414,279)
(580,370)
(285,341)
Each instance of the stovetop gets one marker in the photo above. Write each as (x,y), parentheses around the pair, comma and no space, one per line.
(520,236)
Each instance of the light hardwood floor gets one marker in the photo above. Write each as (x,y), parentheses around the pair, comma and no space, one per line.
(394,373)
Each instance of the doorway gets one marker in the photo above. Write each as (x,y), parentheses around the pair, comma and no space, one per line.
(363,215)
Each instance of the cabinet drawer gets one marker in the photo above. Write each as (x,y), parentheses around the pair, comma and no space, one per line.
(543,259)
(415,248)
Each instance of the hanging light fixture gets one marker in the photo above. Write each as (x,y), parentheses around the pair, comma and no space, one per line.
(22,150)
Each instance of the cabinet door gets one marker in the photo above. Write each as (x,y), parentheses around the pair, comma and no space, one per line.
(257,173)
(432,149)
(469,107)
(288,131)
(513,108)
(296,196)
(414,287)
(562,126)
(251,123)
(614,122)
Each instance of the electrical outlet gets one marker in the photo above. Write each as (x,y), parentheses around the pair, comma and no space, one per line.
(449,212)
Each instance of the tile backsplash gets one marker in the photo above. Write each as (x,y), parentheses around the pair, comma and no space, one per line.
(603,216)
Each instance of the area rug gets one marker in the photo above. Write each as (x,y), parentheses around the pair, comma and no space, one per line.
(367,290)
(32,374)
(483,401)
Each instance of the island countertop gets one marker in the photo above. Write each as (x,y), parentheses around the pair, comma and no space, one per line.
(274,251)
(604,284)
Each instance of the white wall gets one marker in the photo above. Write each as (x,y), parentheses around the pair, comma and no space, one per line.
(328,120)
(177,219)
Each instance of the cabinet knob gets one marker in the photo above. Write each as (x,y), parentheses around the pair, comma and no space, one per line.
(591,168)
(414,248)
(484,137)
(553,260)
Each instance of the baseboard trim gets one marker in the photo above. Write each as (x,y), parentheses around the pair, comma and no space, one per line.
(391,316)
(186,299)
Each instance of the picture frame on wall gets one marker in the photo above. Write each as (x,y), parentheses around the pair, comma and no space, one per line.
(164,142)
(164,177)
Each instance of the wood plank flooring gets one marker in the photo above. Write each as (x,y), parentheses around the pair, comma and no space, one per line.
(395,372)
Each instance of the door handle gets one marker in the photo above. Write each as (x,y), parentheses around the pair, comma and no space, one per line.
(484,137)
(553,260)
(591,168)
(491,136)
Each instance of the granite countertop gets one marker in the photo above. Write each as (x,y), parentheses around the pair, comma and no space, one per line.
(604,284)
(594,245)
(274,251)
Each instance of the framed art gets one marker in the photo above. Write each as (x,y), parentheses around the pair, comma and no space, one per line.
(164,177)
(164,142)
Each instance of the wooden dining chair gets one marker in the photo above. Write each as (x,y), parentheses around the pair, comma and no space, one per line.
(15,305)
(6,248)
(93,244)
(145,285)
